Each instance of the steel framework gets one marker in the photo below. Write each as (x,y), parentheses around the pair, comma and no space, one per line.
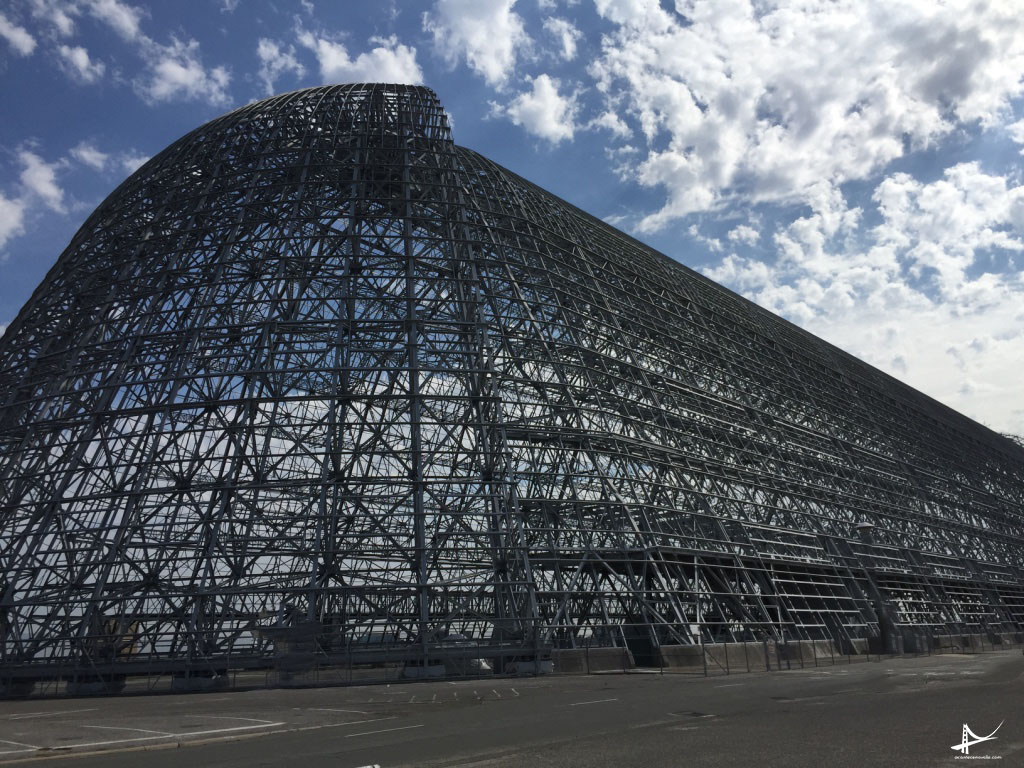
(316,369)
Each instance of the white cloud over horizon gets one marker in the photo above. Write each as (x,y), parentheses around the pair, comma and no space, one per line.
(39,178)
(542,110)
(89,155)
(389,62)
(487,34)
(565,33)
(728,94)
(853,165)
(916,294)
(17,37)
(79,64)
(175,71)
(12,218)
(276,60)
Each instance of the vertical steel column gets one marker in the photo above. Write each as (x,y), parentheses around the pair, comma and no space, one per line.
(415,398)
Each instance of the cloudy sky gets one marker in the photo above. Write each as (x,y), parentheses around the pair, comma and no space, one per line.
(855,166)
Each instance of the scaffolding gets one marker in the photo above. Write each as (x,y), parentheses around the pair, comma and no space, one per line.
(316,381)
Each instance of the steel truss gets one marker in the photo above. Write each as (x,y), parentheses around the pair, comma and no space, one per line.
(316,368)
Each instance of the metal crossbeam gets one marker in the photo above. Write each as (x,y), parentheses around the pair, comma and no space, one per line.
(315,371)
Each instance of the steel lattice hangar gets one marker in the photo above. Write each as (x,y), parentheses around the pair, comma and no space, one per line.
(317,381)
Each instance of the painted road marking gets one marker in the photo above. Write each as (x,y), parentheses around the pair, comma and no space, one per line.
(232,717)
(349,711)
(729,685)
(119,728)
(385,730)
(598,701)
(339,725)
(169,736)
(27,715)
(18,744)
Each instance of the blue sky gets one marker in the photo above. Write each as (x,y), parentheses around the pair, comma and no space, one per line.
(853,166)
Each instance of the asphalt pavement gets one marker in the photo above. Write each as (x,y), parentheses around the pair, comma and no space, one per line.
(892,712)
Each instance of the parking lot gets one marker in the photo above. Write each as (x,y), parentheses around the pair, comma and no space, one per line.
(883,712)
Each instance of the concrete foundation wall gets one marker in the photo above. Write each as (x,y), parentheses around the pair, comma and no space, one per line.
(581,661)
(682,656)
(720,658)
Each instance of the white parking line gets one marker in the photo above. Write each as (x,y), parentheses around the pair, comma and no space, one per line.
(28,715)
(385,730)
(120,728)
(339,725)
(598,701)
(232,717)
(729,685)
(169,736)
(328,709)
(18,744)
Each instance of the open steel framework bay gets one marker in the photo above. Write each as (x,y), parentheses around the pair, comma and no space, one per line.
(316,383)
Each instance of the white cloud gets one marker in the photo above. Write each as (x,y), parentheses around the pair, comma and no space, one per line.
(729,93)
(611,122)
(40,179)
(38,185)
(932,294)
(76,61)
(172,71)
(275,61)
(486,33)
(744,234)
(566,34)
(131,161)
(12,218)
(89,155)
(58,12)
(713,243)
(17,37)
(1016,131)
(124,19)
(542,111)
(175,71)
(389,62)
(228,6)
